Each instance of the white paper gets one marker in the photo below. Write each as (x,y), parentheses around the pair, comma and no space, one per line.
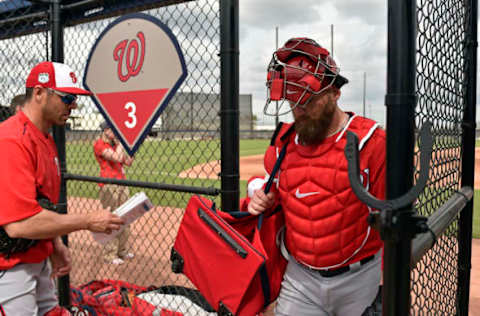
(178,303)
(129,211)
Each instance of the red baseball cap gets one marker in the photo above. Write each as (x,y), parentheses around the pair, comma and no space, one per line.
(56,76)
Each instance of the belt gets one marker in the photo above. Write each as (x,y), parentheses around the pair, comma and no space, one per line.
(334,272)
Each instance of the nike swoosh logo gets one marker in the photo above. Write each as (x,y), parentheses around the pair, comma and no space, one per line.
(302,195)
(291,92)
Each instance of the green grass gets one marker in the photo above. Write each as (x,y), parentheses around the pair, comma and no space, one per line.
(476,207)
(174,156)
(476,214)
(158,162)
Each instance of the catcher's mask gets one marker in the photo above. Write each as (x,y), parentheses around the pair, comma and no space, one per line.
(298,71)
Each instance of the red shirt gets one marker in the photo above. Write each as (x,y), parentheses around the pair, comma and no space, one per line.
(108,168)
(28,167)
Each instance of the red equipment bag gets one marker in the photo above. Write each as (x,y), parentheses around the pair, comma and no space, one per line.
(234,263)
(110,297)
(234,258)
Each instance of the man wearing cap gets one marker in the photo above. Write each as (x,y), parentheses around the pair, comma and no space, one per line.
(334,256)
(31,251)
(112,158)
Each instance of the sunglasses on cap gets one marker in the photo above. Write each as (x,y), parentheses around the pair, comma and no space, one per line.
(66,98)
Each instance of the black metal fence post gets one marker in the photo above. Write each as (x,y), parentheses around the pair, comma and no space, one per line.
(468,160)
(400,102)
(229,77)
(56,29)
(165,168)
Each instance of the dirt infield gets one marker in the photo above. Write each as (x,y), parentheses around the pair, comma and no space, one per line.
(153,235)
(249,166)
(253,165)
(477,170)
(151,239)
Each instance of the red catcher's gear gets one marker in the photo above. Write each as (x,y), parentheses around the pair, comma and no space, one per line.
(297,71)
(326,224)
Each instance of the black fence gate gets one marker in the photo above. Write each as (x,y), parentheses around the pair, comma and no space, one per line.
(431,77)
(165,166)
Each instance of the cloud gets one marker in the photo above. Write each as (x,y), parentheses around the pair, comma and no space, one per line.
(359,45)
(265,13)
(373,12)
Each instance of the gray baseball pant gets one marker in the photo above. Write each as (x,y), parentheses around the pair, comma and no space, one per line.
(306,293)
(27,289)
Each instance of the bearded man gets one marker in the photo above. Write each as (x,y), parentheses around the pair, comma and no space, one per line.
(334,256)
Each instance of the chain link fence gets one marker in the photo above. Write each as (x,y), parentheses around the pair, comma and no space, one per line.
(441,83)
(184,151)
(183,148)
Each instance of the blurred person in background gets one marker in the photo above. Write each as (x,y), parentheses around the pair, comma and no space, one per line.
(112,158)
(16,104)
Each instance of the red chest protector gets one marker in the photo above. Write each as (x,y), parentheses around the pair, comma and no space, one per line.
(326,224)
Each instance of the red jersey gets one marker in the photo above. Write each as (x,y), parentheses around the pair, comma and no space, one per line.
(326,224)
(108,168)
(29,167)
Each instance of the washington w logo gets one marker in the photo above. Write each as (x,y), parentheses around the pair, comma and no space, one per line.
(133,64)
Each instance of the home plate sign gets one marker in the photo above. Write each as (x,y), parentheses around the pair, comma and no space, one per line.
(133,70)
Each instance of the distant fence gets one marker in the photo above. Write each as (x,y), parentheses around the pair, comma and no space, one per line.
(79,135)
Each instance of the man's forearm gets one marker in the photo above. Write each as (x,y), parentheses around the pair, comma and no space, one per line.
(121,154)
(112,155)
(46,224)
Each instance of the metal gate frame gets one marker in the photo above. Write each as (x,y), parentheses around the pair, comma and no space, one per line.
(400,101)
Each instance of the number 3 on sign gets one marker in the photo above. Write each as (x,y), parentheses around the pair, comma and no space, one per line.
(131,107)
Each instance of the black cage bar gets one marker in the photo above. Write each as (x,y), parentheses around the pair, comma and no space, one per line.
(432,66)
(400,102)
(431,76)
(199,127)
(468,159)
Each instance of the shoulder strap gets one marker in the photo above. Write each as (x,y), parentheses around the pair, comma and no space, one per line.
(275,134)
(268,186)
(284,130)
(288,132)
(275,168)
(263,272)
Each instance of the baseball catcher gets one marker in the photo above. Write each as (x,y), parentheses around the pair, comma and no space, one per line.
(334,265)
